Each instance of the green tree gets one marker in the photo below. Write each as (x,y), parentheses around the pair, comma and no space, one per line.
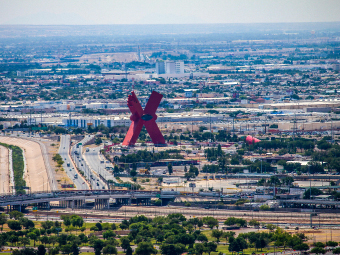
(24,241)
(172,249)
(26,223)
(44,240)
(318,250)
(254,223)
(145,248)
(75,248)
(16,215)
(109,249)
(229,236)
(170,170)
(3,220)
(210,247)
(47,224)
(99,226)
(14,224)
(66,249)
(217,234)
(264,208)
(52,240)
(202,238)
(62,239)
(77,221)
(66,220)
(314,191)
(124,242)
(113,226)
(199,248)
(261,243)
(301,247)
(108,233)
(332,243)
(33,237)
(13,239)
(41,250)
(129,251)
(210,222)
(98,246)
(25,251)
(336,250)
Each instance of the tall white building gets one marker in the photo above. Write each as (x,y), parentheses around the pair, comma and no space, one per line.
(170,67)
(179,67)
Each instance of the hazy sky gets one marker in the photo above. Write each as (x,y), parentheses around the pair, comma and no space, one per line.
(93,12)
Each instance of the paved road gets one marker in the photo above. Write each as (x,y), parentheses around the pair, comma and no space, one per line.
(4,171)
(82,164)
(64,153)
(98,163)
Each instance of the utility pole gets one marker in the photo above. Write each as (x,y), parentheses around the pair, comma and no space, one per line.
(233,125)
(310,184)
(294,127)
(332,133)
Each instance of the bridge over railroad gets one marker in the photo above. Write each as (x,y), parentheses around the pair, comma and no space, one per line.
(97,199)
(317,177)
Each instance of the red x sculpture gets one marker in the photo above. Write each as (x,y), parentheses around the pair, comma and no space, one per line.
(146,117)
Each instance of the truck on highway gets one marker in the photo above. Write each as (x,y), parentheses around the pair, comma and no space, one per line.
(208,194)
(44,195)
(76,176)
(68,164)
(170,192)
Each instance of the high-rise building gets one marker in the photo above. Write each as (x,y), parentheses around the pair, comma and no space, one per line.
(179,67)
(160,67)
(138,53)
(170,67)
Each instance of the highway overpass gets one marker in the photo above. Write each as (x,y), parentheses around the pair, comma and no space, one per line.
(100,199)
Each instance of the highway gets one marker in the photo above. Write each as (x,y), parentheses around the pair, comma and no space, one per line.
(70,170)
(98,163)
(82,165)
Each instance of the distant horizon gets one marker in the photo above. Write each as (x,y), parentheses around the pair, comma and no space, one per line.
(177,24)
(160,12)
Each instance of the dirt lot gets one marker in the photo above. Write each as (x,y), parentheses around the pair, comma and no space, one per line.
(320,235)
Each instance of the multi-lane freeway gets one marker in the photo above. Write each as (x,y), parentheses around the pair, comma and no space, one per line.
(98,163)
(68,165)
(82,164)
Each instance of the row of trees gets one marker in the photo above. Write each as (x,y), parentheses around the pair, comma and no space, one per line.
(174,233)
(147,156)
(18,167)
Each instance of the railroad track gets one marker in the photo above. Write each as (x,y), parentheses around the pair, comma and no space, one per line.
(221,215)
